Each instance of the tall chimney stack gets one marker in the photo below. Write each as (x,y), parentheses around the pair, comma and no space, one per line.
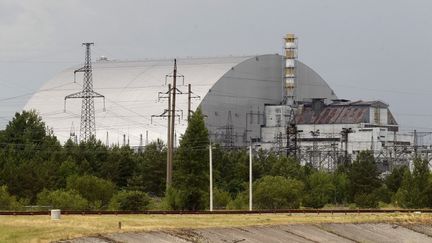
(290,68)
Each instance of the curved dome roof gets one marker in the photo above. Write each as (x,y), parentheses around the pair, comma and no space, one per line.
(131,89)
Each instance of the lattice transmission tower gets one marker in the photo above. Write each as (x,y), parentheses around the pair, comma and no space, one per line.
(88,123)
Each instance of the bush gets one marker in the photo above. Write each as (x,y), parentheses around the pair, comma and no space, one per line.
(320,188)
(130,201)
(220,198)
(191,199)
(8,202)
(61,199)
(274,192)
(241,202)
(366,200)
(96,190)
(170,199)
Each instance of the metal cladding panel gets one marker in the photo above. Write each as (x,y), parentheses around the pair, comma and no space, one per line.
(310,84)
(334,115)
(242,92)
(131,90)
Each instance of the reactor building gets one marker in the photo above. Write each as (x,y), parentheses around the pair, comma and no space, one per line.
(271,101)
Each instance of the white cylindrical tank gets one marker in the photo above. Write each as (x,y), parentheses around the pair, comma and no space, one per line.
(55,214)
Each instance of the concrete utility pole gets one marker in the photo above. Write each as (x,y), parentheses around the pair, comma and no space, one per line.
(173,104)
(168,171)
(211,176)
(189,101)
(250,178)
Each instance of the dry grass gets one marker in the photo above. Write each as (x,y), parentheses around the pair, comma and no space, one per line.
(42,229)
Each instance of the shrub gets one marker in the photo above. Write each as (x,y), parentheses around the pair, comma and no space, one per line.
(241,202)
(221,198)
(130,201)
(366,200)
(96,190)
(8,202)
(61,199)
(320,188)
(274,192)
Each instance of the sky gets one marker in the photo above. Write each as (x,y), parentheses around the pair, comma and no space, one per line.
(368,49)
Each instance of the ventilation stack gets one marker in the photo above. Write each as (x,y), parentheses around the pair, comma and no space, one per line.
(290,68)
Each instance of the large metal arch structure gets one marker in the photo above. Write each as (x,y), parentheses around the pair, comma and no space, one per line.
(228,86)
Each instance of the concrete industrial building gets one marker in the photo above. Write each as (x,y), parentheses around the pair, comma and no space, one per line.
(250,99)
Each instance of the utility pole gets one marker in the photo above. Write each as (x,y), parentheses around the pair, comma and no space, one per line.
(191,96)
(88,123)
(140,148)
(415,144)
(173,104)
(189,102)
(107,139)
(168,176)
(250,177)
(211,176)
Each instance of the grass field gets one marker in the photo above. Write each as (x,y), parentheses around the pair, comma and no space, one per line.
(43,229)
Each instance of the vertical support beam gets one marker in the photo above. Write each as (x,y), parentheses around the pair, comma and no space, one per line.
(189,101)
(141,143)
(250,177)
(211,176)
(168,172)
(415,144)
(146,141)
(107,140)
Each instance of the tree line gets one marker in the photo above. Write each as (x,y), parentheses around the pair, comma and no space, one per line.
(35,169)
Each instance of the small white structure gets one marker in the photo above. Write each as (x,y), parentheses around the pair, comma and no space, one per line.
(55,214)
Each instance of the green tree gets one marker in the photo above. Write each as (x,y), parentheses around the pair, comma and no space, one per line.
(415,187)
(364,177)
(319,189)
(7,201)
(287,167)
(149,175)
(231,170)
(275,192)
(394,180)
(190,178)
(341,192)
(26,127)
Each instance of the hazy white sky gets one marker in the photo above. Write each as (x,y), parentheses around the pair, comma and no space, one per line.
(365,49)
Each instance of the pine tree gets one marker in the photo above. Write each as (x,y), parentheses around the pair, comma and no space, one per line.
(190,178)
(364,180)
